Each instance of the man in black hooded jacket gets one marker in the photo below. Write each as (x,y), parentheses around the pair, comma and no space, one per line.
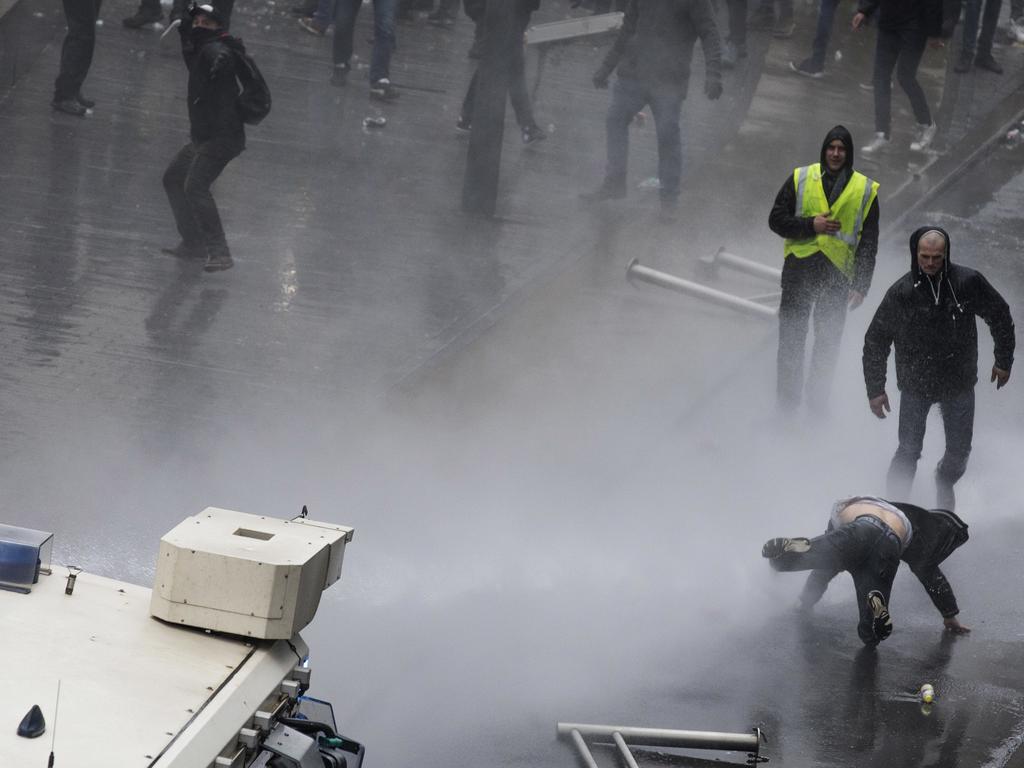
(929,316)
(217,137)
(828,215)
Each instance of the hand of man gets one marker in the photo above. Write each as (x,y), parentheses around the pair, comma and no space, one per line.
(713,89)
(824,225)
(880,405)
(855,299)
(953,625)
(858,21)
(1000,377)
(600,79)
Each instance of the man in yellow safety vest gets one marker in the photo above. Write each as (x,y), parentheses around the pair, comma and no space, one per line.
(828,214)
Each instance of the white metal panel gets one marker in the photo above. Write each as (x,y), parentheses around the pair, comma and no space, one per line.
(129,682)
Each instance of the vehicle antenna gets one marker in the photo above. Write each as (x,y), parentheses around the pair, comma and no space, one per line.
(53,735)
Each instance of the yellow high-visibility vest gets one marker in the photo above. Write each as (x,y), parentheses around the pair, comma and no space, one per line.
(849,210)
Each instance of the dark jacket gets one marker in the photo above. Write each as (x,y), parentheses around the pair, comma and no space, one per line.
(931,322)
(785,221)
(901,15)
(937,533)
(655,44)
(213,89)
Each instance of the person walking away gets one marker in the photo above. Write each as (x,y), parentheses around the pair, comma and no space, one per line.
(828,214)
(904,27)
(974,48)
(517,91)
(345,13)
(928,315)
(652,55)
(217,137)
(76,57)
(814,65)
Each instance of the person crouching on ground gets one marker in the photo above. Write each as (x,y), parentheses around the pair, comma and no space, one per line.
(217,137)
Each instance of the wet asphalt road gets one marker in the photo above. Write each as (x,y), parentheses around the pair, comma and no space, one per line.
(560,482)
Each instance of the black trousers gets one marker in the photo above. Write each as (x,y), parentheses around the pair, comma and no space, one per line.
(900,50)
(76,53)
(517,90)
(868,548)
(187,182)
(809,285)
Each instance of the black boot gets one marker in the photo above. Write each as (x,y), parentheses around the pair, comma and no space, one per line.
(218,258)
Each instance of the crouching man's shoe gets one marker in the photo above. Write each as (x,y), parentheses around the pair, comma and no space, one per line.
(776,547)
(881,621)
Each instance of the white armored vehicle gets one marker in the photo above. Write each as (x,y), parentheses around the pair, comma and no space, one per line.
(206,670)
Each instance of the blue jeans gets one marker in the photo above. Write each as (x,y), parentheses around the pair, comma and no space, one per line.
(958,423)
(823,34)
(868,548)
(629,96)
(971,41)
(345,12)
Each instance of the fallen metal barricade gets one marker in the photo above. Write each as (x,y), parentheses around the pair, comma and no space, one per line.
(751,306)
(625,736)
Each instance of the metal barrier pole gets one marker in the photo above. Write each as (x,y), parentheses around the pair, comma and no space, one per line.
(627,756)
(747,265)
(665,280)
(665,737)
(581,747)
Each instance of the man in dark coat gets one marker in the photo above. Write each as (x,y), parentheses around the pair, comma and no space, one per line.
(652,55)
(929,316)
(217,137)
(868,536)
(828,215)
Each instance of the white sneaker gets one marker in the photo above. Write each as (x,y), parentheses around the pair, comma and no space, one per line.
(923,139)
(881,141)
(1017,29)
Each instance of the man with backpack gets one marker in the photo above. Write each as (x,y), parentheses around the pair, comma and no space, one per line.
(215,61)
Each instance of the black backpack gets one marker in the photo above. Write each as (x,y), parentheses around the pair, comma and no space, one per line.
(254,100)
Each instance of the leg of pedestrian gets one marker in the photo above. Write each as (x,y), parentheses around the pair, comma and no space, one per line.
(913,418)
(958,424)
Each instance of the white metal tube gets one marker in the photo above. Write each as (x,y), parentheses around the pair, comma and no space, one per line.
(665,280)
(583,749)
(665,737)
(742,264)
(627,756)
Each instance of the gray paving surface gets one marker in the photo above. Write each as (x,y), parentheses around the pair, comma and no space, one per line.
(558,480)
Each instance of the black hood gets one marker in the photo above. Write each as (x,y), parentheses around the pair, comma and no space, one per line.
(839,132)
(915,237)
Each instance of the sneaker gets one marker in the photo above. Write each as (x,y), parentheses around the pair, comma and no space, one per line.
(775,547)
(607,191)
(311,26)
(1016,31)
(339,77)
(69,107)
(463,126)
(784,29)
(141,19)
(186,251)
(218,260)
(881,621)
(986,62)
(807,68)
(87,103)
(532,133)
(923,137)
(963,64)
(440,19)
(383,90)
(881,141)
